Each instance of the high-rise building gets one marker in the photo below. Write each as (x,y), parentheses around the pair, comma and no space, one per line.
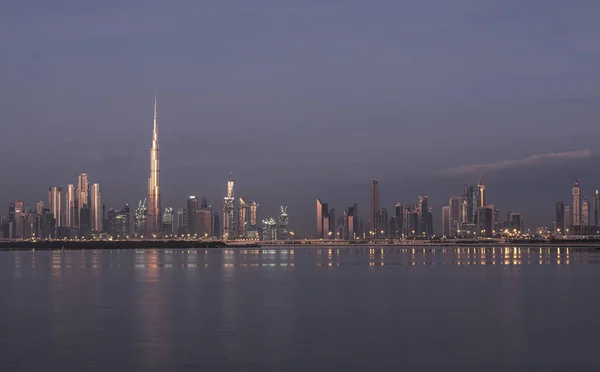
(446,224)
(19,220)
(384,226)
(83,195)
(596,209)
(154,213)
(118,222)
(85,226)
(585,215)
(167,222)
(243,217)
(560,218)
(283,232)
(269,227)
(253,213)
(474,202)
(70,209)
(485,220)
(375,223)
(139,219)
(455,216)
(192,211)
(40,207)
(216,225)
(330,223)
(96,215)
(229,215)
(319,218)
(514,221)
(204,223)
(323,220)
(182,221)
(398,221)
(482,194)
(576,221)
(55,204)
(350,224)
(568,220)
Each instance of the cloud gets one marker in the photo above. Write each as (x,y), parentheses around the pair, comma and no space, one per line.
(533,160)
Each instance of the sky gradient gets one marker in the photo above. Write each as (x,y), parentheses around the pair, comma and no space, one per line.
(303,99)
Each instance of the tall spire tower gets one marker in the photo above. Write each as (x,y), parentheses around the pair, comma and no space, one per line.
(154,207)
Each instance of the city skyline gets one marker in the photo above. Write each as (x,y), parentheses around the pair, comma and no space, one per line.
(420,99)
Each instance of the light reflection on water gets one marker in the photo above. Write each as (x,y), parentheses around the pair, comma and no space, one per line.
(290,257)
(177,309)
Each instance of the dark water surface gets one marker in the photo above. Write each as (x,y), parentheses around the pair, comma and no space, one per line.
(349,309)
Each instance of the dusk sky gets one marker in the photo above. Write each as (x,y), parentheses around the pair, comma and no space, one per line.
(303,99)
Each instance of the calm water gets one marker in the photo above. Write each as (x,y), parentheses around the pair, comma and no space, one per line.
(301,309)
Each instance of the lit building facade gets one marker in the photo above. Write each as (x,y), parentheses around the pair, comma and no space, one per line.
(96,216)
(139,219)
(229,213)
(585,215)
(283,232)
(154,214)
(192,211)
(375,223)
(576,220)
(70,207)
(560,218)
(167,222)
(55,203)
(83,196)
(181,221)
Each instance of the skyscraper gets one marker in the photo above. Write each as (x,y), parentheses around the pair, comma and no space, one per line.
(282,224)
(319,218)
(154,208)
(19,219)
(375,223)
(139,219)
(454,220)
(243,216)
(192,210)
(560,218)
(83,196)
(39,208)
(323,221)
(167,222)
(253,213)
(84,221)
(204,223)
(181,221)
(204,220)
(585,216)
(485,221)
(229,220)
(568,222)
(216,225)
(576,221)
(96,208)
(481,189)
(55,203)
(596,209)
(446,224)
(514,221)
(70,210)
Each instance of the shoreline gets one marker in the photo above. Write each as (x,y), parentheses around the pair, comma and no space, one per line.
(195,244)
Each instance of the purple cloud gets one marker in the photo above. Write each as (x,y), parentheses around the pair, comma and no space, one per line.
(538,159)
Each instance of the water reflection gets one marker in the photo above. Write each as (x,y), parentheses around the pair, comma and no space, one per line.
(96,262)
